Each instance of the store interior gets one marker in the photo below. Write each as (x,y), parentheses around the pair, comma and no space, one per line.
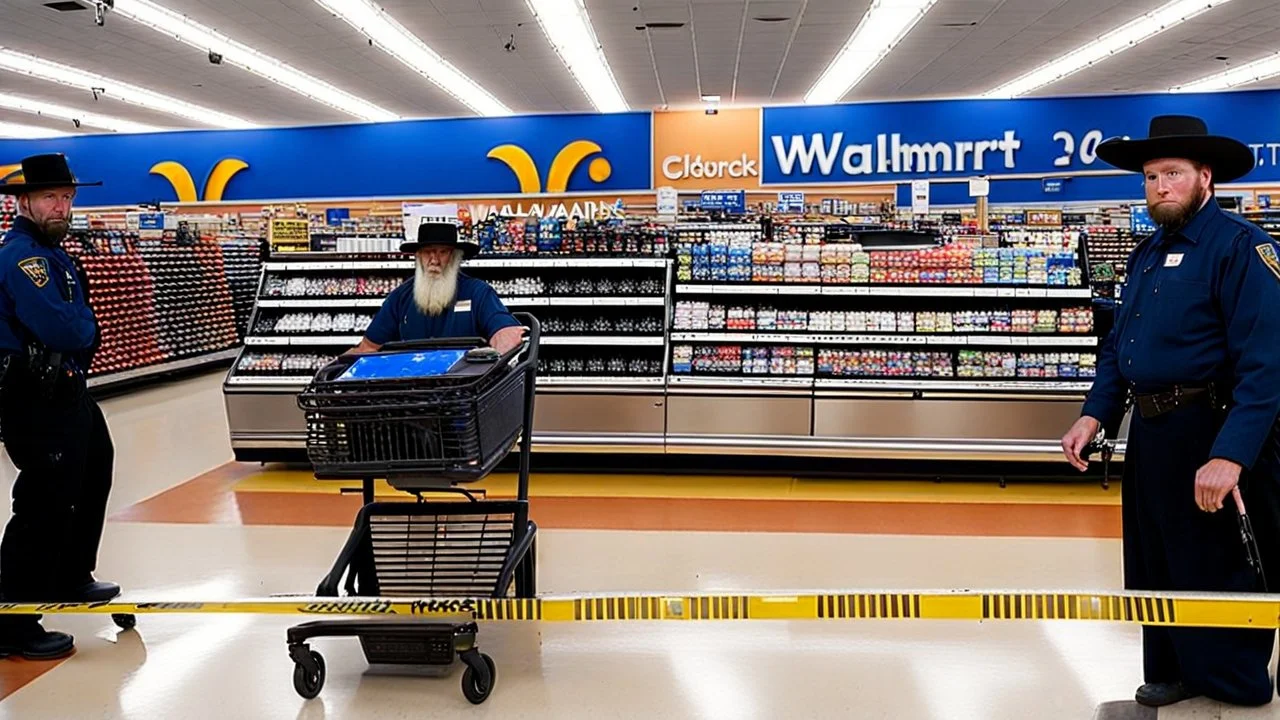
(820,288)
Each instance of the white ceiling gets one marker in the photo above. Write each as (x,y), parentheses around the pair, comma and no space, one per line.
(961,47)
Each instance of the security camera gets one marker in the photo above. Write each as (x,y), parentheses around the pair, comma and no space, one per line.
(511,45)
(215,58)
(100,10)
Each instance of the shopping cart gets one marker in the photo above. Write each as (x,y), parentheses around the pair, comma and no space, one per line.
(427,416)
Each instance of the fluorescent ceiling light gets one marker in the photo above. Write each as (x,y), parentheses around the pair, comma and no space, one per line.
(124,92)
(883,26)
(1122,38)
(711,98)
(404,46)
(44,109)
(27,132)
(1256,71)
(208,40)
(569,30)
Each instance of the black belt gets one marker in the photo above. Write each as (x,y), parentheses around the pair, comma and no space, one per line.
(1156,404)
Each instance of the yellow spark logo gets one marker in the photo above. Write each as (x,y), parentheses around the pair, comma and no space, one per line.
(11,174)
(567,160)
(216,184)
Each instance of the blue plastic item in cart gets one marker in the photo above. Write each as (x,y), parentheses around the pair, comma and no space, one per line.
(405,365)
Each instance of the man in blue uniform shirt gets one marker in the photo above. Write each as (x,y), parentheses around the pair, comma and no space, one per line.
(53,431)
(1196,351)
(439,301)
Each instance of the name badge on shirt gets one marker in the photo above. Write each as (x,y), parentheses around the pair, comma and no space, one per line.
(462,306)
(1173,260)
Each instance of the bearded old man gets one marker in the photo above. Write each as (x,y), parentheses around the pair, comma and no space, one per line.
(440,301)
(1195,352)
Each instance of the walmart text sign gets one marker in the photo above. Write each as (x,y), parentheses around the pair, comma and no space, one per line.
(878,142)
(581,153)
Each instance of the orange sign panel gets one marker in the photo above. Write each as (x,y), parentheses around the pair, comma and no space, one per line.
(696,151)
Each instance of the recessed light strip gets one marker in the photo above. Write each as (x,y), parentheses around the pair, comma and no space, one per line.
(124,92)
(206,39)
(60,112)
(1256,71)
(1130,34)
(406,47)
(10,130)
(568,28)
(883,26)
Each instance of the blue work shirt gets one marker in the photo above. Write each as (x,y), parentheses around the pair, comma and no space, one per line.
(42,298)
(1201,304)
(476,312)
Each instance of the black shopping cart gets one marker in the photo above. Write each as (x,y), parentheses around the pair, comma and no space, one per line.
(428,417)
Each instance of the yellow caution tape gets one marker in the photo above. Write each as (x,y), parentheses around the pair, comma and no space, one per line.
(1172,609)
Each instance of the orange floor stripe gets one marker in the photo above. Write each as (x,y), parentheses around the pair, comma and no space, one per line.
(211,499)
(16,673)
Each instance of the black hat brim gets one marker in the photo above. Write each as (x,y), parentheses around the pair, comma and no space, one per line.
(469,250)
(24,188)
(1229,158)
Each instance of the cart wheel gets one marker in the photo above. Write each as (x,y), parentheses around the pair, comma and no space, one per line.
(308,684)
(475,687)
(125,621)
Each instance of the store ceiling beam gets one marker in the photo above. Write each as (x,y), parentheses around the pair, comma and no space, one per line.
(385,33)
(223,49)
(72,115)
(99,85)
(1256,71)
(1131,34)
(568,28)
(883,26)
(10,130)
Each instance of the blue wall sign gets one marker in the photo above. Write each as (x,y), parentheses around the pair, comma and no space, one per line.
(791,202)
(1140,221)
(878,142)
(1086,188)
(725,200)
(467,156)
(333,217)
(1264,201)
(1052,185)
(151,221)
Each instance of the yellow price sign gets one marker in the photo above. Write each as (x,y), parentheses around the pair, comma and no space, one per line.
(289,235)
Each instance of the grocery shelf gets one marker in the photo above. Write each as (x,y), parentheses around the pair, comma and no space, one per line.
(712,381)
(603,340)
(149,371)
(261,340)
(277,266)
(952,384)
(881,290)
(995,339)
(557,262)
(320,303)
(298,380)
(584,301)
(590,380)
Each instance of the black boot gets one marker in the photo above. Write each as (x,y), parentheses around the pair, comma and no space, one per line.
(1161,694)
(25,638)
(89,590)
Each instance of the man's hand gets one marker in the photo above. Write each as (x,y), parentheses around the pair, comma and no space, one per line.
(1080,434)
(507,338)
(1214,481)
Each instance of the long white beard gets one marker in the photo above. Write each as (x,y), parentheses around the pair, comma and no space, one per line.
(434,293)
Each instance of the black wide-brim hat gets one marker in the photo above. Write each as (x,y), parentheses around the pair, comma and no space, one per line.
(440,233)
(1180,136)
(41,172)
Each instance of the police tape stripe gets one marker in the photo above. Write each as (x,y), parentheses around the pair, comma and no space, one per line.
(1171,609)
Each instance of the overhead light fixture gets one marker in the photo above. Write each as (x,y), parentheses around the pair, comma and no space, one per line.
(1116,41)
(114,89)
(210,41)
(880,30)
(397,41)
(10,130)
(710,98)
(569,30)
(91,119)
(1256,71)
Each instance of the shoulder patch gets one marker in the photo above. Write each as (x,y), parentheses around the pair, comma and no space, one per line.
(36,268)
(1267,251)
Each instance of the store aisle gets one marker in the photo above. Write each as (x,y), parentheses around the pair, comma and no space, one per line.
(185,526)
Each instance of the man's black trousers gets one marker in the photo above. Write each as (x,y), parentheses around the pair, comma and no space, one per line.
(1170,544)
(64,455)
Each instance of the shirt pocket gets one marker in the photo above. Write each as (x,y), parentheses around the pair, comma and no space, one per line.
(1185,309)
